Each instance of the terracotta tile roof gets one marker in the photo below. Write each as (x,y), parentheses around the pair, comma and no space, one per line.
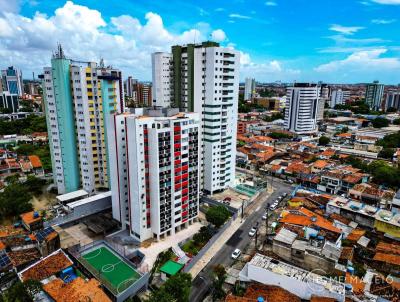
(352,178)
(328,153)
(47,267)
(387,258)
(25,165)
(10,230)
(39,134)
(322,299)
(344,135)
(35,161)
(262,147)
(76,290)
(306,217)
(12,163)
(260,138)
(389,248)
(356,283)
(275,167)
(340,218)
(347,253)
(28,218)
(264,156)
(320,164)
(297,167)
(243,150)
(268,292)
(25,256)
(355,234)
(2,246)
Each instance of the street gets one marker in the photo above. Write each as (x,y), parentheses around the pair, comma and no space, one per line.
(202,284)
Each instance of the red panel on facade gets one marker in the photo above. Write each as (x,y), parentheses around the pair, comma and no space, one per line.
(177,186)
(177,128)
(185,167)
(184,206)
(177,162)
(184,213)
(185,175)
(177,137)
(178,169)
(177,146)
(178,153)
(184,191)
(184,198)
(185,183)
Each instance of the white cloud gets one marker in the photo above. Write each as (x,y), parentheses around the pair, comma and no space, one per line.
(124,41)
(239,16)
(346,30)
(271,3)
(383,21)
(265,71)
(388,2)
(218,35)
(219,9)
(9,6)
(362,61)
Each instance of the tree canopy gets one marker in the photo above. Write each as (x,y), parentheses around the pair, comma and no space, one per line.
(175,289)
(28,125)
(323,140)
(380,122)
(390,141)
(217,215)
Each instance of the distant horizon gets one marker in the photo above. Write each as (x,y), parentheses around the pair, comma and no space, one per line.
(279,40)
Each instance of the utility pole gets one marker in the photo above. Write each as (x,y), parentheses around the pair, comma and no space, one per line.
(266,222)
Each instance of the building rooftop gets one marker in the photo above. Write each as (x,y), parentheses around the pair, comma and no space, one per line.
(267,292)
(35,161)
(72,195)
(285,236)
(282,268)
(46,267)
(171,267)
(76,290)
(30,217)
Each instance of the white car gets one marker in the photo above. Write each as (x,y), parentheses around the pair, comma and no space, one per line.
(252,232)
(264,217)
(272,207)
(236,253)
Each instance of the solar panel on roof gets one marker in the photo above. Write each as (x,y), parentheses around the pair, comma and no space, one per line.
(42,234)
(4,260)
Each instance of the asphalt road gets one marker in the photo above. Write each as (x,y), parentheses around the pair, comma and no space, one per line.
(202,284)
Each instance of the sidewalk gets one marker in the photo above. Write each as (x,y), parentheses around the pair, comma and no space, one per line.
(155,248)
(226,235)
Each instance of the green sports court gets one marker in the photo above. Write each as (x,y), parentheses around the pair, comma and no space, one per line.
(111,268)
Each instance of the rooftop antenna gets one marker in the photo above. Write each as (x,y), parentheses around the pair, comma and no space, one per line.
(101,63)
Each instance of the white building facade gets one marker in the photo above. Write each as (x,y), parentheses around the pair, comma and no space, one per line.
(162,76)
(249,88)
(339,97)
(155,164)
(204,78)
(303,108)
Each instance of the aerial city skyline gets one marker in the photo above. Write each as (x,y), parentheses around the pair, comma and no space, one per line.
(302,41)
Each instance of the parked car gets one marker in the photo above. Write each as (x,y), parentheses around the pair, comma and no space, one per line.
(272,207)
(264,217)
(252,232)
(236,253)
(284,195)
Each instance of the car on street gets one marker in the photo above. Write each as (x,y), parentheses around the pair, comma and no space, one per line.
(272,207)
(284,195)
(252,232)
(236,253)
(264,217)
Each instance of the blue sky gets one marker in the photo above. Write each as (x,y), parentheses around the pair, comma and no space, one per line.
(305,40)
